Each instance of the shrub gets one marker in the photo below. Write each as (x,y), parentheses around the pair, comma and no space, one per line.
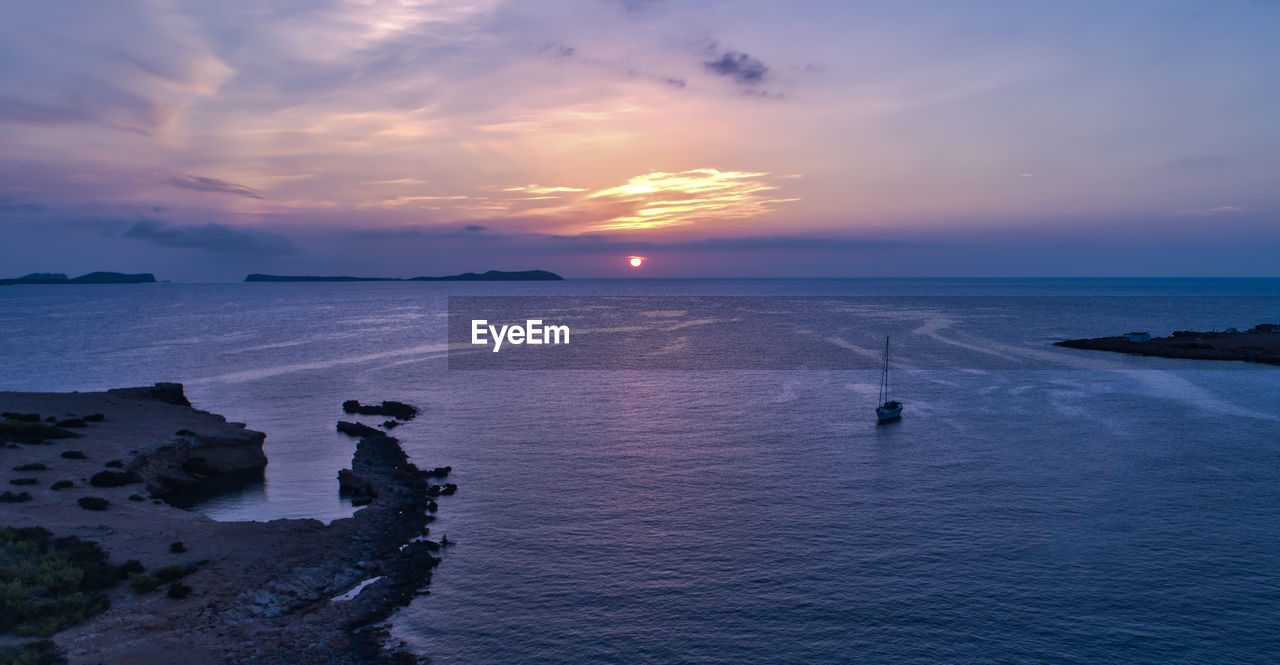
(129,568)
(24,417)
(62,484)
(112,479)
(93,503)
(115,464)
(73,454)
(171,573)
(34,466)
(71,423)
(24,481)
(43,652)
(49,583)
(177,547)
(185,432)
(143,582)
(94,418)
(179,590)
(137,497)
(10,497)
(23,431)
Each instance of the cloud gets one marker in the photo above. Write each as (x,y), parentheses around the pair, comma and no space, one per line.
(214,238)
(9,205)
(739,66)
(202,184)
(601,244)
(661,199)
(1209,212)
(474,228)
(539,189)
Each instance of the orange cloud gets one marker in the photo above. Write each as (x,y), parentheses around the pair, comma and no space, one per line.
(661,199)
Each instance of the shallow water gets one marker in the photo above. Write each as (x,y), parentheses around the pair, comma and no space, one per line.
(1035,505)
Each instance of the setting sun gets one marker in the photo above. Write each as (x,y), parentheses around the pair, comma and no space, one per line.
(635,261)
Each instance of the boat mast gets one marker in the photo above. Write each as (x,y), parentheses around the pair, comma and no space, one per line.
(884,374)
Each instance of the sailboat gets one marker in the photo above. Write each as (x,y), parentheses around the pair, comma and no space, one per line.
(889,409)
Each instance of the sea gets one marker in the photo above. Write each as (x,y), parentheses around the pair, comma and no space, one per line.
(1035,504)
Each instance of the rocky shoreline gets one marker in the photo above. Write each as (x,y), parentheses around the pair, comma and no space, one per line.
(1260,344)
(285,591)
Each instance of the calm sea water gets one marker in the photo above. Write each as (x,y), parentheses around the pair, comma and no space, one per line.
(1035,505)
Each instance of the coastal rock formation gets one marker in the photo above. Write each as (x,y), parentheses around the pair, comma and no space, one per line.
(1260,344)
(398,410)
(357,429)
(285,591)
(193,457)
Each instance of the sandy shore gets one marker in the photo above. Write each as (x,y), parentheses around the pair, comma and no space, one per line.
(262,592)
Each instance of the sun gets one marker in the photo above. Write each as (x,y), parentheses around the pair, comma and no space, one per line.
(635,261)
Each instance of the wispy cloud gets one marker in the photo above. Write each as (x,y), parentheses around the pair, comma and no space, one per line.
(215,238)
(539,189)
(660,199)
(1209,212)
(738,66)
(203,184)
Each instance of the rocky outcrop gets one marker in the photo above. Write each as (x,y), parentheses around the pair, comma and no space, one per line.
(192,458)
(357,429)
(398,410)
(1260,344)
(384,540)
(169,393)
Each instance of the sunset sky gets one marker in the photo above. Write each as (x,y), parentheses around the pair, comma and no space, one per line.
(203,140)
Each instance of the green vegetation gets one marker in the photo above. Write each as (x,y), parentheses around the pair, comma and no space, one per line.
(94,418)
(25,431)
(34,466)
(177,547)
(72,422)
(62,484)
(185,432)
(144,582)
(25,417)
(130,567)
(73,454)
(115,464)
(25,481)
(112,479)
(47,583)
(10,497)
(93,503)
(32,653)
(179,590)
(171,573)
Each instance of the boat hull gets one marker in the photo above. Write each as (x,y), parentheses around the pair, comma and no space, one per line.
(890,411)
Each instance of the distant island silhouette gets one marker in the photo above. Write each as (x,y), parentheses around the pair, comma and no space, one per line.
(1259,344)
(91,278)
(490,276)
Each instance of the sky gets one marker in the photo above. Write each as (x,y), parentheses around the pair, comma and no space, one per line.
(204,141)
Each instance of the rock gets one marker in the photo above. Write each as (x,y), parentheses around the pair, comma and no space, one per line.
(397,410)
(357,429)
(352,484)
(193,459)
